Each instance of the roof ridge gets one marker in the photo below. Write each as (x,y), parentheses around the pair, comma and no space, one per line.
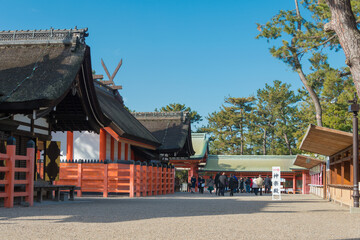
(64,36)
(158,115)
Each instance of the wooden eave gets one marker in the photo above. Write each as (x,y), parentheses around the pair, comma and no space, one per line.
(325,141)
(306,161)
(130,141)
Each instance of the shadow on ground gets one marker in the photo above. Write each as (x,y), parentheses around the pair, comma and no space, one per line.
(114,209)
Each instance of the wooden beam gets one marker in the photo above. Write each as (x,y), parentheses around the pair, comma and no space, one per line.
(116,87)
(106,82)
(97,77)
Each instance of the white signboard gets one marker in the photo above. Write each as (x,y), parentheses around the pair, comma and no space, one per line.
(276,183)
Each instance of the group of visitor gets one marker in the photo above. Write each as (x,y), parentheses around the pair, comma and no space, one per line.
(222,183)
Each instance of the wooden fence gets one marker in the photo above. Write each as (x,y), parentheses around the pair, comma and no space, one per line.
(14,187)
(136,179)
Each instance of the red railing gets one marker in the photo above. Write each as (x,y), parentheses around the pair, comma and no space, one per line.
(9,182)
(136,179)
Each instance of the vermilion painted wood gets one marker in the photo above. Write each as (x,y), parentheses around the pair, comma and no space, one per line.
(105,191)
(69,145)
(150,180)
(116,177)
(132,180)
(144,180)
(10,176)
(10,157)
(155,180)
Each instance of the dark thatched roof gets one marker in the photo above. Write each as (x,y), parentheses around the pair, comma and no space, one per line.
(172,129)
(36,74)
(112,106)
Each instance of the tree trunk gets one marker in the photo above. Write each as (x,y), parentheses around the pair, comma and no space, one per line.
(313,96)
(343,22)
(287,143)
(264,142)
(298,67)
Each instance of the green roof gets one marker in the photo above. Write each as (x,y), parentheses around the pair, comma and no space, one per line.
(200,145)
(250,163)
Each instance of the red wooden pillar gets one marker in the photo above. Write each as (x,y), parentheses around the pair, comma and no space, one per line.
(79,182)
(132,180)
(102,154)
(105,189)
(150,179)
(10,176)
(294,183)
(69,145)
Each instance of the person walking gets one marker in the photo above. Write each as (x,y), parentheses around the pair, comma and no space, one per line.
(267,183)
(241,185)
(210,184)
(201,184)
(260,183)
(247,184)
(232,184)
(193,184)
(222,184)
(217,184)
(255,186)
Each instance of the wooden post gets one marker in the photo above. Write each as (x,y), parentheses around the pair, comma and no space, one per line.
(150,179)
(294,183)
(105,191)
(30,153)
(168,182)
(324,182)
(303,182)
(10,175)
(155,180)
(79,182)
(342,172)
(161,179)
(137,180)
(69,145)
(132,180)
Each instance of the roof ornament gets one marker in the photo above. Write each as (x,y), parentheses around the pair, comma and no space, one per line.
(110,83)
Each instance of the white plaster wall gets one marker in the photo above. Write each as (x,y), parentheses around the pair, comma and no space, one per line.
(129,152)
(86,145)
(122,151)
(22,118)
(41,122)
(108,146)
(115,150)
(61,137)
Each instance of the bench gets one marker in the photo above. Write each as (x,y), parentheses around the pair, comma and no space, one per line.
(49,189)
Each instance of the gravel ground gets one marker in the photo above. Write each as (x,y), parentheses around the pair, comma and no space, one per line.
(182,216)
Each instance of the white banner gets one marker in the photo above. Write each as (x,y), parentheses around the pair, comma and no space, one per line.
(276,183)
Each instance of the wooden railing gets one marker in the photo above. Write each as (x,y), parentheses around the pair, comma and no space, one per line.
(8,169)
(136,179)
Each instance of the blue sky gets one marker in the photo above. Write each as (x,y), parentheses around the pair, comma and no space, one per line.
(183,51)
